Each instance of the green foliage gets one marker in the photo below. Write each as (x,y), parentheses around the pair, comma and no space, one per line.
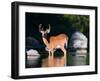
(78,22)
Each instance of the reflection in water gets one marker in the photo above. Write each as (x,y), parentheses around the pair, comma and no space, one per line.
(78,60)
(32,61)
(80,57)
(73,59)
(54,61)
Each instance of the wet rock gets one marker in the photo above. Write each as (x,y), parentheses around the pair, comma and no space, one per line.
(78,40)
(32,52)
(32,58)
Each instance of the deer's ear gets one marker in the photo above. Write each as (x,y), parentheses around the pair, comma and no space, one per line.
(48,30)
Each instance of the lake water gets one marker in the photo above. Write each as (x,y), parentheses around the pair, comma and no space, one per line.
(58,60)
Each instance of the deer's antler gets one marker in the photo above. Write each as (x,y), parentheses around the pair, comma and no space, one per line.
(48,30)
(40,25)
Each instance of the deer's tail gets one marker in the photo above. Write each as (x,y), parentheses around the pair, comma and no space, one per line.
(66,44)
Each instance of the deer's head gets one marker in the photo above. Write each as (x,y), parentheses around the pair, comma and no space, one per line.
(44,32)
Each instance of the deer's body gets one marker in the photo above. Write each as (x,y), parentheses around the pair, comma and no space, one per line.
(55,42)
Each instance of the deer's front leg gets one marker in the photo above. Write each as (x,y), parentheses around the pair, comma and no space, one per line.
(52,52)
(49,53)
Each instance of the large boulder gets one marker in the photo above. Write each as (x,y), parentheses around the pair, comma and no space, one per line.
(78,40)
(32,43)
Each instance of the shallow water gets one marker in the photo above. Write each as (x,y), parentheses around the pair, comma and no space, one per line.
(58,60)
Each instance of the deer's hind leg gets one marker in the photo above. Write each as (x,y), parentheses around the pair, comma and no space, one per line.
(65,56)
(64,51)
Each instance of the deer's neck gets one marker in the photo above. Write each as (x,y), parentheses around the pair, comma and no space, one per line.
(45,41)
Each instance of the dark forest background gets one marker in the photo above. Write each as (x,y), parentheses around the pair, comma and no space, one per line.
(60,23)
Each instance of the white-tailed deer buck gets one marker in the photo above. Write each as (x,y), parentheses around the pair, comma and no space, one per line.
(54,42)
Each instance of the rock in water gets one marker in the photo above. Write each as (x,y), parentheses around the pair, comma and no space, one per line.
(33,52)
(32,58)
(78,40)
